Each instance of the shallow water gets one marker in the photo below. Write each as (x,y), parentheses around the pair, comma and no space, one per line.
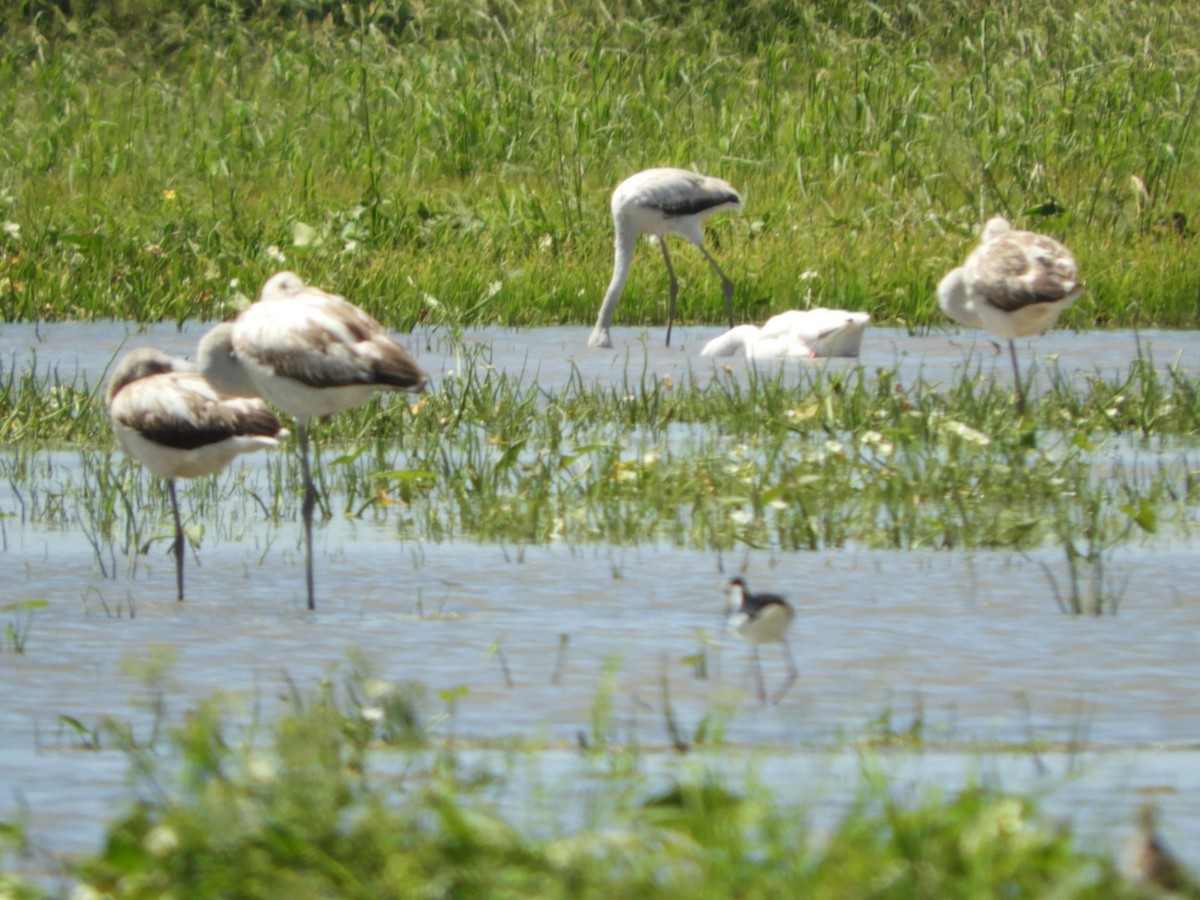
(963,648)
(553,355)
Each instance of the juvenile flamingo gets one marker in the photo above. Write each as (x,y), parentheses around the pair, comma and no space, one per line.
(174,423)
(795,334)
(310,353)
(1014,284)
(660,202)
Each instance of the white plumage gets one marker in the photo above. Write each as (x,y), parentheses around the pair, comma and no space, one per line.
(1014,284)
(795,334)
(310,353)
(172,421)
(659,202)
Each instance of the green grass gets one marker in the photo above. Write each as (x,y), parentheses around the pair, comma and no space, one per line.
(844,458)
(350,794)
(453,161)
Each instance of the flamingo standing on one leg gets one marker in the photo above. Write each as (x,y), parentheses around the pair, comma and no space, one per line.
(175,423)
(1014,284)
(661,202)
(310,353)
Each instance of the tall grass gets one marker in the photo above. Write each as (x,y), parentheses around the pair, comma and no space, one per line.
(824,458)
(454,159)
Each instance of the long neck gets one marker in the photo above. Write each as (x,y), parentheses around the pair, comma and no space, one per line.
(626,242)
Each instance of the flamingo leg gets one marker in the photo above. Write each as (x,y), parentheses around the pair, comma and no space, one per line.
(726,284)
(310,500)
(662,242)
(1012,351)
(177,547)
(793,672)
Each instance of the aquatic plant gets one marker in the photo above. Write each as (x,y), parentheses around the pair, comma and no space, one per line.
(324,801)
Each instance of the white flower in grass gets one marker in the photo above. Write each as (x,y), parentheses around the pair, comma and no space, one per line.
(12,229)
(741,517)
(274,254)
(874,439)
(161,840)
(835,448)
(967,433)
(374,688)
(372,713)
(260,769)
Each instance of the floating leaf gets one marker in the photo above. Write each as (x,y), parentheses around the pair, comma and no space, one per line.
(1144,514)
(23,605)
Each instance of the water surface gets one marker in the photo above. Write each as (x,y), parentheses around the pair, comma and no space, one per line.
(967,651)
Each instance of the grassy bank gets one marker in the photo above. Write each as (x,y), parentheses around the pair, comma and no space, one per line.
(453,161)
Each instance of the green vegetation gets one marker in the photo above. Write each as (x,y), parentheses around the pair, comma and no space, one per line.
(453,161)
(349,794)
(846,457)
(449,164)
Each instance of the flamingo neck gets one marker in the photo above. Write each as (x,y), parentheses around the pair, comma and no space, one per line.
(626,242)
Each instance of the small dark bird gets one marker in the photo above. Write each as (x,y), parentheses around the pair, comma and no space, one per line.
(762,619)
(1153,861)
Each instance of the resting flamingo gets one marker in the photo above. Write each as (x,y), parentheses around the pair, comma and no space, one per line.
(1014,284)
(172,421)
(310,353)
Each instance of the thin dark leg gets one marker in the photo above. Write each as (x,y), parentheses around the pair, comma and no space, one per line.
(662,242)
(726,284)
(762,688)
(177,549)
(793,672)
(310,500)
(1012,351)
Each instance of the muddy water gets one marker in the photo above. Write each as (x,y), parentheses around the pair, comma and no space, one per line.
(960,648)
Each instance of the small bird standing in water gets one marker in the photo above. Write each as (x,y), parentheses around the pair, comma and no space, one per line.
(762,619)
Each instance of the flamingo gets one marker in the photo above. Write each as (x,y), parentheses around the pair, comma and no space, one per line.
(174,423)
(1014,284)
(310,353)
(660,202)
(795,334)
(762,619)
